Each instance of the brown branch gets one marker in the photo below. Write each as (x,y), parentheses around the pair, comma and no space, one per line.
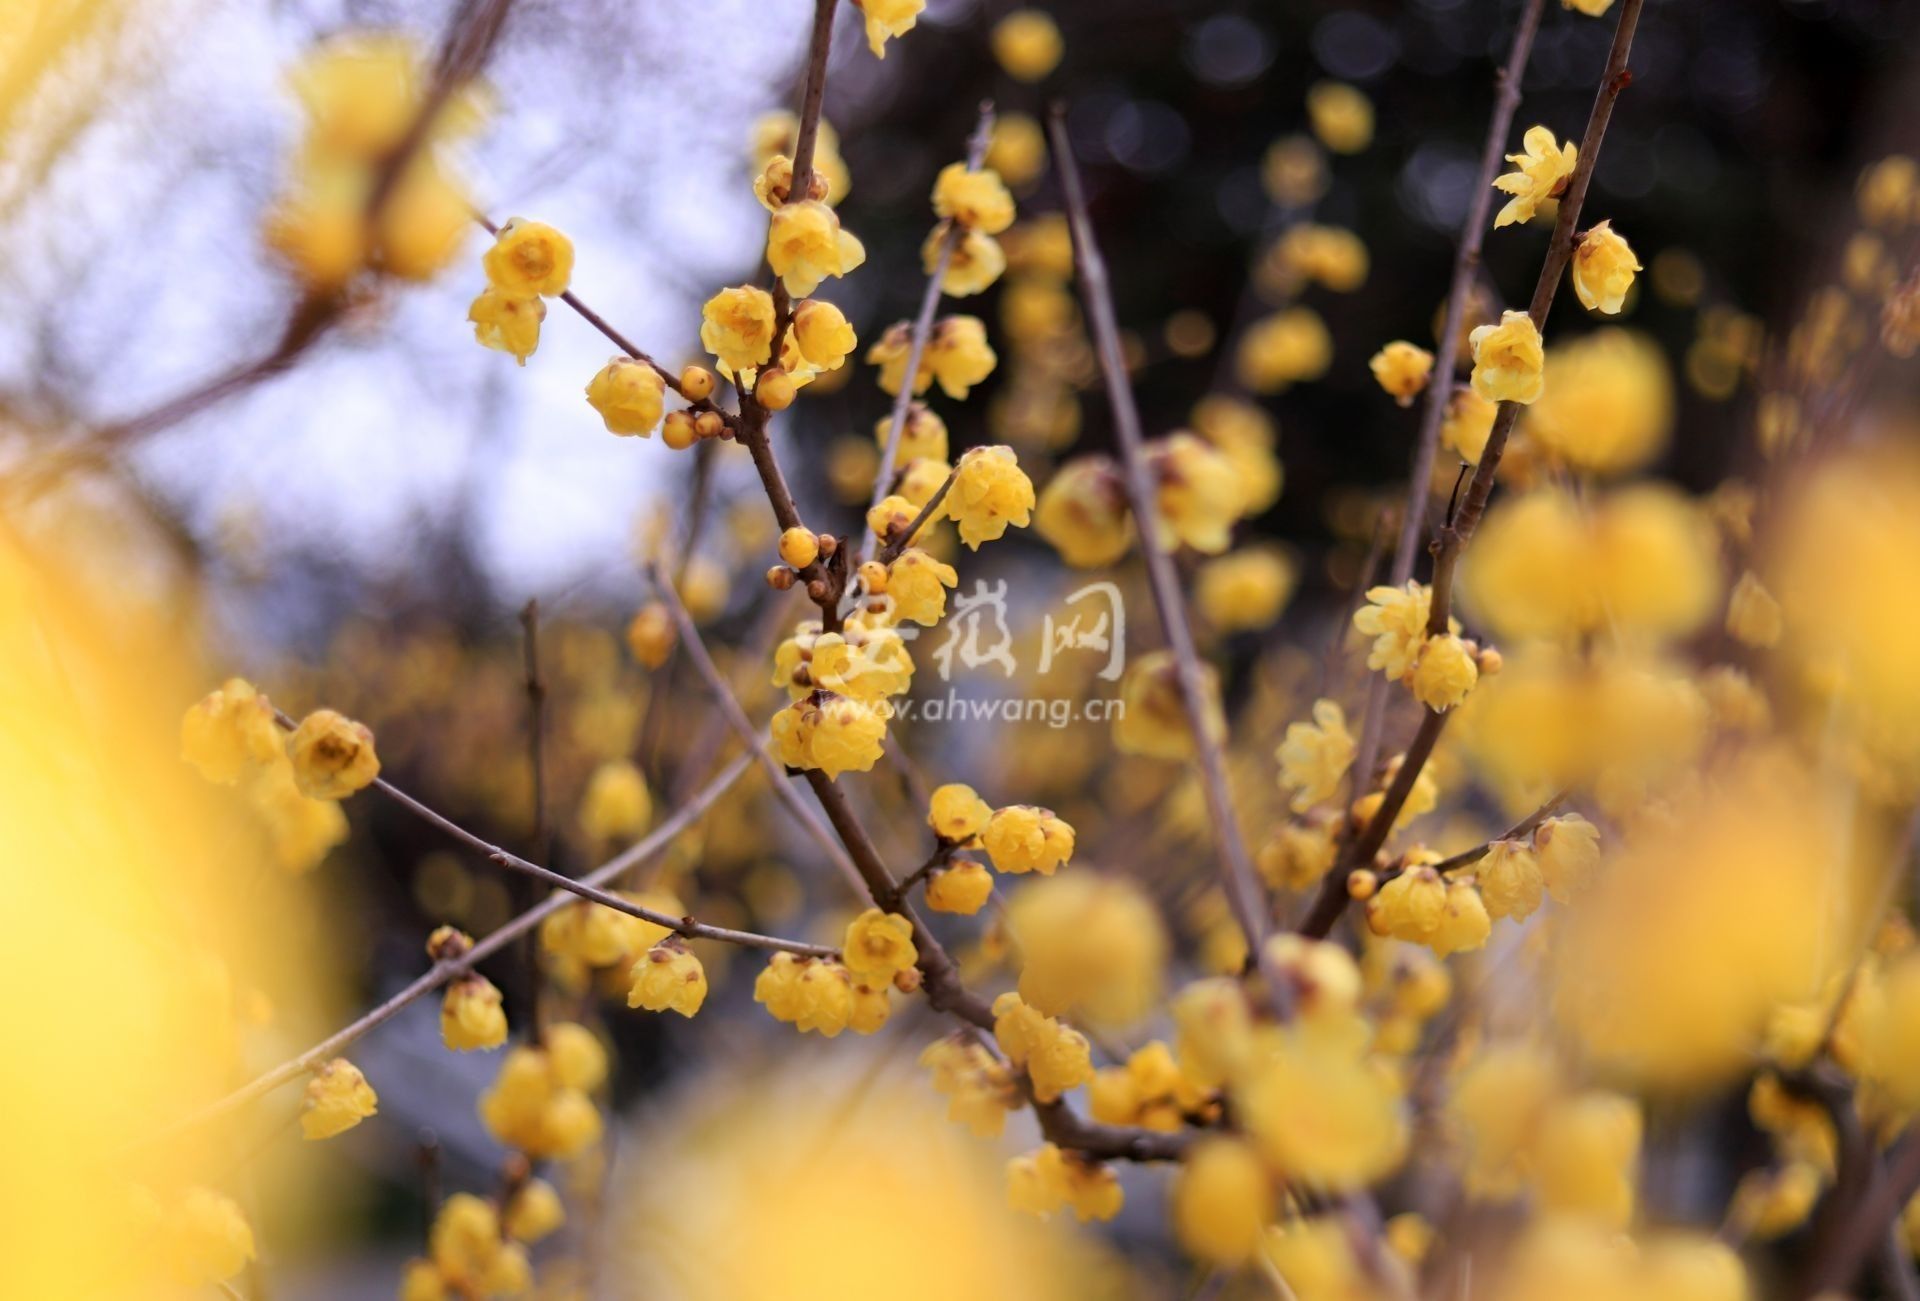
(900,541)
(1468,857)
(754,738)
(923,322)
(655,842)
(1237,878)
(1466,264)
(1453,538)
(525,894)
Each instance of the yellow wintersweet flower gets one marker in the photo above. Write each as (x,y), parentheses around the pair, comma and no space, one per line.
(923,434)
(529,257)
(1444,672)
(1402,368)
(835,735)
(1509,360)
(1772,1202)
(1027,44)
(1396,619)
(1223,1200)
(1510,879)
(1611,405)
(958,355)
(1083,512)
(1603,269)
(471,1016)
(1297,855)
(1197,495)
(878,946)
(1288,347)
(978,1088)
(1330,255)
(1046,1180)
(338,1098)
(977,261)
(1753,616)
(1543,168)
(821,331)
(1421,906)
(1567,849)
(814,996)
(1057,1057)
(1468,423)
(1088,944)
(668,977)
(774,134)
(1341,115)
(534,1212)
(230,733)
(302,830)
(962,889)
(208,1237)
(1246,436)
(539,1103)
(977,200)
(617,805)
(989,492)
(887,20)
(1585,1156)
(805,245)
(957,814)
(1315,756)
(1154,721)
(1023,838)
(320,231)
(917,587)
(1246,589)
(1591,8)
(469,1256)
(1018,149)
(628,394)
(1495,1107)
(423,223)
(507,322)
(360,92)
(1319,1112)
(736,326)
(332,755)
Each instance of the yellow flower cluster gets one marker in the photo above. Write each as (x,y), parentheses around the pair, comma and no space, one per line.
(1440,670)
(1022,838)
(1509,360)
(582,935)
(1314,757)
(1421,906)
(541,1101)
(668,977)
(979,1088)
(957,355)
(974,206)
(818,995)
(529,261)
(338,1097)
(232,736)
(471,1252)
(771,149)
(362,95)
(1056,1057)
(1045,1181)
(1150,1091)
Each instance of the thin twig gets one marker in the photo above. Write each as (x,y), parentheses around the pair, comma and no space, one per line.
(1468,857)
(525,896)
(1451,538)
(654,843)
(1236,869)
(1466,265)
(923,321)
(898,542)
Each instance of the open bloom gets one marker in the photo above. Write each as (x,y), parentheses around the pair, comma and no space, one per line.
(1402,368)
(332,755)
(230,733)
(805,245)
(1603,267)
(1543,167)
(989,492)
(507,322)
(628,396)
(977,200)
(736,326)
(529,257)
(1509,360)
(1315,756)
(887,19)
